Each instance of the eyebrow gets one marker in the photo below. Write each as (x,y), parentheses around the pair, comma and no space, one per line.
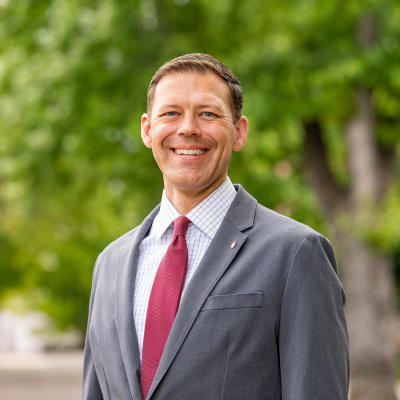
(169,105)
(215,106)
(173,105)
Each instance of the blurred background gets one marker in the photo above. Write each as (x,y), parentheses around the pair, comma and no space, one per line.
(321,82)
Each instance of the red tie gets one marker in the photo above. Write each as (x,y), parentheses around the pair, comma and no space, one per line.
(163,303)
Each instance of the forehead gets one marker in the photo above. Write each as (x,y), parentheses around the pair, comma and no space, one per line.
(191,87)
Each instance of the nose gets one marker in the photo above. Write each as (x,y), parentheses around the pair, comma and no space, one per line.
(189,126)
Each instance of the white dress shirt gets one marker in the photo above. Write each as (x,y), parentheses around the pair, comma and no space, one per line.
(205,219)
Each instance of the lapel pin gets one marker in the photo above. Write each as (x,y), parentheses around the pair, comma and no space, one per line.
(233,244)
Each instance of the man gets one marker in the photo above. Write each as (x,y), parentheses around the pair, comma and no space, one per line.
(213,296)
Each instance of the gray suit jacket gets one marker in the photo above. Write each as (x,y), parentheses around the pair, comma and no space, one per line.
(263,320)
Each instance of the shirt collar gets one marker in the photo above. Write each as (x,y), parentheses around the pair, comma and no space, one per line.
(207,215)
(165,216)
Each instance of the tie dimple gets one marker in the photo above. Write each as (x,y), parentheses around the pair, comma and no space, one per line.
(180,226)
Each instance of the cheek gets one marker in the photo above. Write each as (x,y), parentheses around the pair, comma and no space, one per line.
(158,139)
(164,136)
(226,142)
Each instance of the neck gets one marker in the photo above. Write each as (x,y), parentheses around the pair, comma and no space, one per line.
(185,200)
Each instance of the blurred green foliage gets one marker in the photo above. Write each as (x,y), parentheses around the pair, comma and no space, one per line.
(74,174)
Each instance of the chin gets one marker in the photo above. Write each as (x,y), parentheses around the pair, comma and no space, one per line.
(187,181)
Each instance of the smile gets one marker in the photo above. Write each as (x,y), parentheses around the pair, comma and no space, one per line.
(190,152)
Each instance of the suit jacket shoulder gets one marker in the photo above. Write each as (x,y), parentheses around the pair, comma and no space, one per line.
(113,249)
(281,226)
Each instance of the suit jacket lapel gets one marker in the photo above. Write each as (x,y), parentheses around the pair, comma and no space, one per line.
(127,259)
(216,260)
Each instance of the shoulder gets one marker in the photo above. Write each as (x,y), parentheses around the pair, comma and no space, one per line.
(269,221)
(114,247)
(121,241)
(133,236)
(304,242)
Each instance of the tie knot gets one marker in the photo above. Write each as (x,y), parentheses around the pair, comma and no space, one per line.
(180,226)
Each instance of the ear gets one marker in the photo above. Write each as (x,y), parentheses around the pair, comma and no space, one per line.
(241,131)
(146,131)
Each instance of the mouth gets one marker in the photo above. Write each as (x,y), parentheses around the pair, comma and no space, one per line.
(189,152)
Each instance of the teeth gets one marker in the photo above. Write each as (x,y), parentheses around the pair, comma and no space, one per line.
(189,152)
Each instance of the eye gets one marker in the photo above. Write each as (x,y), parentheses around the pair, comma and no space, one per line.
(171,113)
(208,114)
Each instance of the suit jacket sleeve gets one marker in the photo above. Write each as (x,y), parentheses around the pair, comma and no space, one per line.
(90,384)
(313,339)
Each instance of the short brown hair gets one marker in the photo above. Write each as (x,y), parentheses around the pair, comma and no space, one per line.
(200,63)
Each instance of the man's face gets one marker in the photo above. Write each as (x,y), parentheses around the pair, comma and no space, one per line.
(192,114)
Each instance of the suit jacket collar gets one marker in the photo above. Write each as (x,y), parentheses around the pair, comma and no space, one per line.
(243,209)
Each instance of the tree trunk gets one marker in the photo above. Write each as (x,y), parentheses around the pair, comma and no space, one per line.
(366,274)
